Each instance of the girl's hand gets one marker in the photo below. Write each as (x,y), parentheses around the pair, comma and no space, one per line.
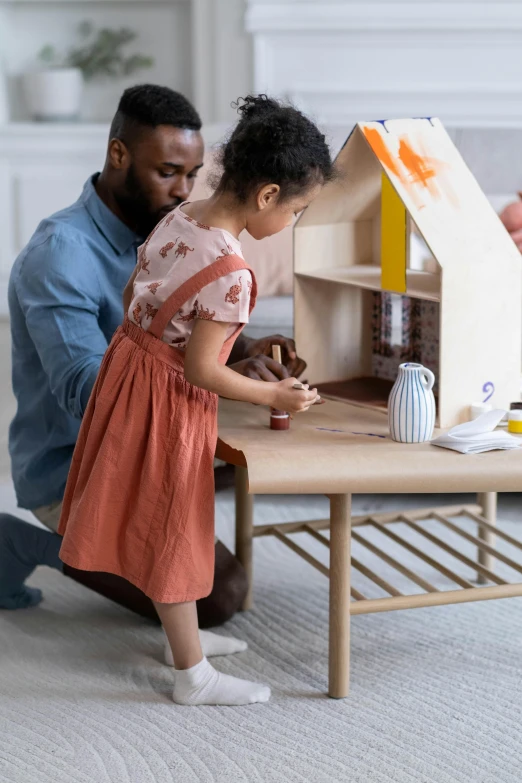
(203,369)
(286,398)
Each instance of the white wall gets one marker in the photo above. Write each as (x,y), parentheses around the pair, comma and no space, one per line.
(222,57)
(342,60)
(373,59)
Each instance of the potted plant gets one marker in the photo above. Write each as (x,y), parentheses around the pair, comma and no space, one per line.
(53,93)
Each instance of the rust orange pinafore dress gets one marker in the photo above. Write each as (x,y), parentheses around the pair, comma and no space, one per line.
(139,500)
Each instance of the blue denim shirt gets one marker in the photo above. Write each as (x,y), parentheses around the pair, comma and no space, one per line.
(65,302)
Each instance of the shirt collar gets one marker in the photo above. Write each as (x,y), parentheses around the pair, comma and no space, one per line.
(120,236)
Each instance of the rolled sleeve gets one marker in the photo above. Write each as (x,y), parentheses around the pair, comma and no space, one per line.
(60,296)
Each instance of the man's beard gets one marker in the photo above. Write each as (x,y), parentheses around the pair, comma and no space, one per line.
(136,207)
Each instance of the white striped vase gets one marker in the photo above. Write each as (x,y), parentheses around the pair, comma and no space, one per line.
(411,404)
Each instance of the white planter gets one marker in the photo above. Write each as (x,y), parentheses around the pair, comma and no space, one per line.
(53,95)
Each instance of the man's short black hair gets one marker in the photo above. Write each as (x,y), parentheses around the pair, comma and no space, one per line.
(150,105)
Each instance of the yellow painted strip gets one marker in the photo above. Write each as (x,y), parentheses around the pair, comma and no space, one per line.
(393,239)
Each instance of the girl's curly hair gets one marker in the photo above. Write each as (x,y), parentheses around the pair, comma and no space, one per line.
(273,142)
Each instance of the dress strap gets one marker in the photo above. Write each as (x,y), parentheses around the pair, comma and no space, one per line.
(222,266)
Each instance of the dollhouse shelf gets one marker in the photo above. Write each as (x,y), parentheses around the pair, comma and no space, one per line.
(367,392)
(420,285)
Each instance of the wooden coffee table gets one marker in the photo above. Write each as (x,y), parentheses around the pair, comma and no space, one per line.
(339,449)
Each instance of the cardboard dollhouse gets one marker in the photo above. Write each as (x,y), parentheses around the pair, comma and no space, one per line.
(365,301)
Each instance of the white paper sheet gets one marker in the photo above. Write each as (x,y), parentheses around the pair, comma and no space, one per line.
(479,435)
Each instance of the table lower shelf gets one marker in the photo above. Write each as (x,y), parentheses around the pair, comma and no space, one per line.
(431,595)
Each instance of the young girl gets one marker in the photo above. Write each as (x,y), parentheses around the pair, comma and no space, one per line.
(139,500)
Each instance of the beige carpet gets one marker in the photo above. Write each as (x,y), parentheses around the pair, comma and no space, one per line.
(436,693)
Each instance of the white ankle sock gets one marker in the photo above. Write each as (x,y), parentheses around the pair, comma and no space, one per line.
(202,684)
(211,644)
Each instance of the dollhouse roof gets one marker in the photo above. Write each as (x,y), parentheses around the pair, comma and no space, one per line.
(354,236)
(436,187)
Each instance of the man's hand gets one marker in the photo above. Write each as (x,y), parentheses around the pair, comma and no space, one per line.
(263,347)
(261,368)
(253,358)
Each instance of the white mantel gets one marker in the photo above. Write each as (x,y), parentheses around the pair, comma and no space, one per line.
(405,16)
(346,61)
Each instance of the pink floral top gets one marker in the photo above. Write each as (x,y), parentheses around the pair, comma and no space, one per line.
(177,249)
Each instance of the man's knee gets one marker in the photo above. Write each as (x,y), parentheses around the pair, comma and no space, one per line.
(229,590)
(9,523)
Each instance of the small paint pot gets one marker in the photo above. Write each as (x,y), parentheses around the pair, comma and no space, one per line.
(279,420)
(516,406)
(515,422)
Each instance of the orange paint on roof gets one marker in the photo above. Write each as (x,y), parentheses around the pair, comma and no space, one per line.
(410,167)
(374,139)
(420,169)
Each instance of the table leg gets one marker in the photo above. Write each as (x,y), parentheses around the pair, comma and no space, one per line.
(340,565)
(488,501)
(244,529)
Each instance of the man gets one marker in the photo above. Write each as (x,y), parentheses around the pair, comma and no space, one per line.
(65,301)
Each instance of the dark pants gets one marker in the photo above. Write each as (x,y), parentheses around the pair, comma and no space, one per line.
(228,592)
(23,547)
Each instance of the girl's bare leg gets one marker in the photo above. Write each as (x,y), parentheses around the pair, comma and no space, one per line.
(180,622)
(197,682)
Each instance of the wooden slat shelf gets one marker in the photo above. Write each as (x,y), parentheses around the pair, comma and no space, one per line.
(385,518)
(420,285)
(432,596)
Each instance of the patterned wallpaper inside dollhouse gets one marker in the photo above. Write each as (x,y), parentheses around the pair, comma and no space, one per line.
(403,330)
(406,329)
